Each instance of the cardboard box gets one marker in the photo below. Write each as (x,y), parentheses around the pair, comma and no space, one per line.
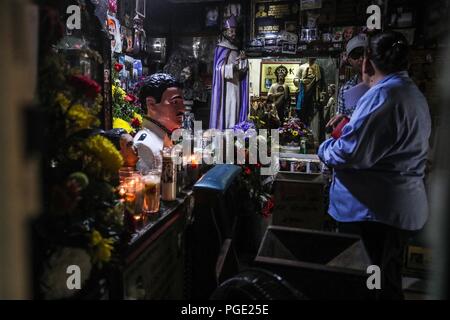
(299,201)
(321,265)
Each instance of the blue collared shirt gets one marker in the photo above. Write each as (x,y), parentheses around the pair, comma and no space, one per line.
(380,159)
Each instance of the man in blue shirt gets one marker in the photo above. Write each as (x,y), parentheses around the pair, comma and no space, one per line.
(379,160)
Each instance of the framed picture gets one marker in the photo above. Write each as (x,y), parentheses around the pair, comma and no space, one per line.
(140,8)
(233,9)
(127,39)
(114,32)
(338,34)
(270,42)
(268,77)
(310,4)
(289,48)
(212,16)
(291,26)
(271,17)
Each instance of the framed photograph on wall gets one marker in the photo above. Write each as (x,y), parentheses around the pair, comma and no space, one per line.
(291,26)
(233,9)
(212,16)
(268,77)
(271,17)
(310,4)
(289,48)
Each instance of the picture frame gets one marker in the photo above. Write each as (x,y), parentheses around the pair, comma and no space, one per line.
(289,48)
(310,4)
(338,34)
(232,9)
(268,77)
(140,8)
(291,26)
(270,42)
(212,16)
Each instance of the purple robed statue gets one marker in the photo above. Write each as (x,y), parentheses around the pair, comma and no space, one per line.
(229,100)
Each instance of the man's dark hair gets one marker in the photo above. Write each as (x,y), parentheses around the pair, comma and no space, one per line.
(154,86)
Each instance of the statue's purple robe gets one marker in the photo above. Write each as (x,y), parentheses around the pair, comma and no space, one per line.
(220,94)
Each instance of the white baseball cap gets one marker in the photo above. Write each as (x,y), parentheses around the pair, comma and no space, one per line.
(356,42)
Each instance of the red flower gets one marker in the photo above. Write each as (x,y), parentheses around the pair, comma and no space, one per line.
(135,123)
(130,98)
(112,6)
(268,207)
(118,67)
(85,84)
(247,171)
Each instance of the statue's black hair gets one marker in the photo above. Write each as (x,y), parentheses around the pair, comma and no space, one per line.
(154,86)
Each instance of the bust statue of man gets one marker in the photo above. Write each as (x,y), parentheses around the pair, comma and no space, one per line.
(161,98)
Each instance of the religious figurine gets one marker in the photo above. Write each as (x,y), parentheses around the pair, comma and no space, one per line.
(310,81)
(229,100)
(279,93)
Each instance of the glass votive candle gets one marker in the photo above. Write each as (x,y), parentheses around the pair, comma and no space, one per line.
(126,172)
(132,189)
(152,190)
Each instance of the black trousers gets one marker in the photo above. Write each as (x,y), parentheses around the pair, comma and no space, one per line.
(385,246)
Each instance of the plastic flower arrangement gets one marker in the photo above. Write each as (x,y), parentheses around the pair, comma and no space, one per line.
(83,214)
(293,131)
(254,192)
(127,112)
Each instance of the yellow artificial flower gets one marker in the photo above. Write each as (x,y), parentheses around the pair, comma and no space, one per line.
(295,133)
(118,90)
(101,156)
(137,116)
(62,100)
(97,106)
(80,118)
(119,123)
(102,247)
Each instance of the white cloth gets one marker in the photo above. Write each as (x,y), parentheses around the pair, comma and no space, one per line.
(149,143)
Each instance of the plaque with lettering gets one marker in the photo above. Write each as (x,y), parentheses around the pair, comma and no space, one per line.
(272,17)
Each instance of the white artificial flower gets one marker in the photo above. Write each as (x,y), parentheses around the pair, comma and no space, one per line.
(54,278)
